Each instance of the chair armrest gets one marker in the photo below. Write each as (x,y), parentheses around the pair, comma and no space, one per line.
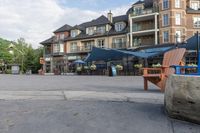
(178,68)
(145,70)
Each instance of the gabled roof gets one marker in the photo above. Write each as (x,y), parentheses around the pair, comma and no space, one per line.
(121,18)
(48,41)
(64,28)
(77,27)
(102,20)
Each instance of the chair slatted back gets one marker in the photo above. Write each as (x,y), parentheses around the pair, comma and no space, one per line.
(173,57)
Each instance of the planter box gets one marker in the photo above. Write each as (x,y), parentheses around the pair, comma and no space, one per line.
(182,97)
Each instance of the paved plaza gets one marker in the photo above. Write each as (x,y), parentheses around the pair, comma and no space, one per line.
(83,104)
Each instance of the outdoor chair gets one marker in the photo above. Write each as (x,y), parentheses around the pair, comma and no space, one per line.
(158,76)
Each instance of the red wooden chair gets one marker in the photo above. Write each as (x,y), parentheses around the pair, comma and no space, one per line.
(171,58)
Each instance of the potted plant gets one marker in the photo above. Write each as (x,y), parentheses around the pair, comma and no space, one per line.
(93,67)
(79,70)
(156,65)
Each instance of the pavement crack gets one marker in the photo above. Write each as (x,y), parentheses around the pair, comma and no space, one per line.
(65,98)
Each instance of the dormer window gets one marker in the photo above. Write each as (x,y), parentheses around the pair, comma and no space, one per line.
(138,10)
(195,5)
(74,33)
(120,26)
(101,29)
(62,36)
(90,30)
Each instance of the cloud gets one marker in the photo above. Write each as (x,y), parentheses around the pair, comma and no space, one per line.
(36,20)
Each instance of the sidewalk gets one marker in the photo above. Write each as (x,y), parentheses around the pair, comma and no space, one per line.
(145,97)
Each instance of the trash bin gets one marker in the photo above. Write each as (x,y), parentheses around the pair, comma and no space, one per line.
(112,71)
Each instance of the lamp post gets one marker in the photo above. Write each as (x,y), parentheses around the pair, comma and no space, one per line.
(12,47)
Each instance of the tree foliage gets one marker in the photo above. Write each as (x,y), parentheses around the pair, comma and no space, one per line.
(23,53)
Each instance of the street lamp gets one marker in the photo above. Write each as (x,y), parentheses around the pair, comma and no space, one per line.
(11,48)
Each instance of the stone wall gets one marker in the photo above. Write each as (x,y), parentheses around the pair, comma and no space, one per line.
(182,97)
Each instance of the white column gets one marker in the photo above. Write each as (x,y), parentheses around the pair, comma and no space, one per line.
(131,31)
(156,29)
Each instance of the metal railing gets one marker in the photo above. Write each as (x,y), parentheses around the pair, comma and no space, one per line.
(81,49)
(145,12)
(119,45)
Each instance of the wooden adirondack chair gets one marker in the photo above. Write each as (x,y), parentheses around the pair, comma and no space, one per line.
(172,57)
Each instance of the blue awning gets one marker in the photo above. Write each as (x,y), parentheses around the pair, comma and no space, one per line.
(100,54)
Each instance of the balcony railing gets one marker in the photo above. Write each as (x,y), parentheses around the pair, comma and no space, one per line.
(145,12)
(144,27)
(119,45)
(81,49)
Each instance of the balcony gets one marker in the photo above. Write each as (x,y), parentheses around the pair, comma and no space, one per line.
(81,49)
(119,45)
(143,27)
(145,12)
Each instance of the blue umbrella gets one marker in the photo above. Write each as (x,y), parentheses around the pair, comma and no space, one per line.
(79,62)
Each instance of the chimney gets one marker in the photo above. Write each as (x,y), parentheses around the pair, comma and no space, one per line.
(110,16)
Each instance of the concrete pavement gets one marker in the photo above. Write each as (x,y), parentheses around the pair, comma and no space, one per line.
(145,97)
(83,104)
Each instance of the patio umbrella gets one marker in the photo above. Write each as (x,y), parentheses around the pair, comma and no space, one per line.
(79,62)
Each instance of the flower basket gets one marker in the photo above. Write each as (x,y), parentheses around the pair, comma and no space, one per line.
(93,67)
(119,67)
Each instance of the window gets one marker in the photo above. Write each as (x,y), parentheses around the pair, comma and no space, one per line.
(62,36)
(138,10)
(73,47)
(195,5)
(137,42)
(101,43)
(58,48)
(165,36)
(196,22)
(177,3)
(136,27)
(165,20)
(165,4)
(119,42)
(101,29)
(74,33)
(178,19)
(178,36)
(119,26)
(90,30)
(88,45)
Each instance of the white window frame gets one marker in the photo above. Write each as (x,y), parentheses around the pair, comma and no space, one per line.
(91,30)
(165,4)
(74,47)
(196,22)
(164,39)
(177,3)
(178,36)
(62,36)
(118,42)
(119,26)
(178,18)
(164,23)
(101,43)
(101,29)
(61,47)
(56,48)
(74,33)
(196,2)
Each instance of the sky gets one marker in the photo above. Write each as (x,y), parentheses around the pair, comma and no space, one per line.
(35,20)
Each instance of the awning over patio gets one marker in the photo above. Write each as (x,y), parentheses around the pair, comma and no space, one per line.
(99,54)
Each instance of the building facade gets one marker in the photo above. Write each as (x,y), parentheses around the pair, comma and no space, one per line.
(163,21)
(71,43)
(146,23)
